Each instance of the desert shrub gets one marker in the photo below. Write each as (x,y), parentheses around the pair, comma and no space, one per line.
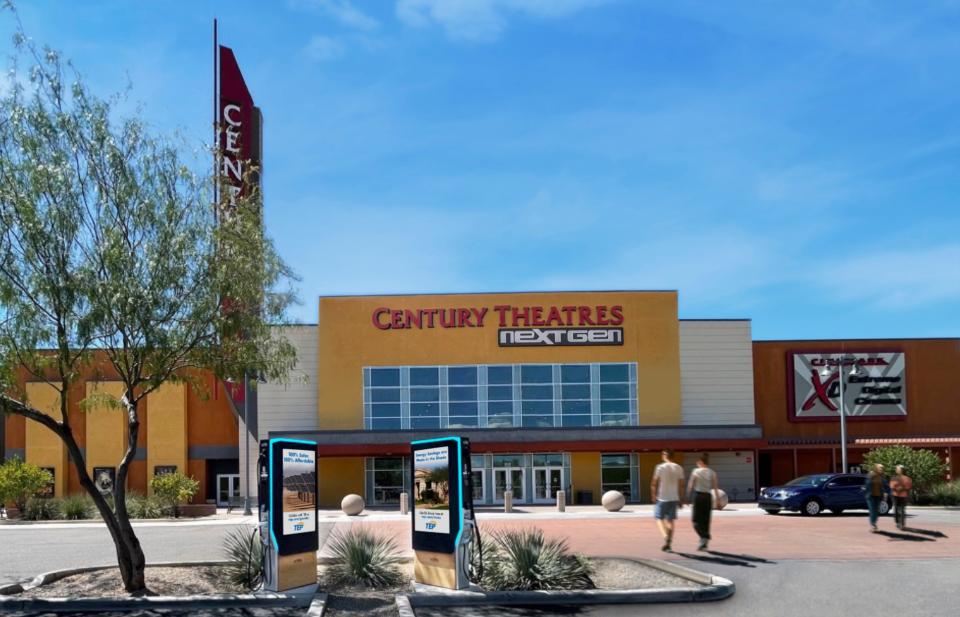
(141,506)
(362,558)
(523,560)
(174,489)
(943,494)
(77,507)
(19,481)
(41,509)
(244,553)
(923,466)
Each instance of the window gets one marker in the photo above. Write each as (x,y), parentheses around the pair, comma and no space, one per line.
(615,399)
(500,396)
(615,474)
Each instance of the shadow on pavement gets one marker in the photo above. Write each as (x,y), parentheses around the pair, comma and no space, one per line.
(903,536)
(742,557)
(926,532)
(721,560)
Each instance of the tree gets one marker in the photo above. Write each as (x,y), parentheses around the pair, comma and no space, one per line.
(111,251)
(19,481)
(923,466)
(173,489)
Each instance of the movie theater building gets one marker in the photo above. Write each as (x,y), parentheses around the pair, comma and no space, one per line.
(896,391)
(575,391)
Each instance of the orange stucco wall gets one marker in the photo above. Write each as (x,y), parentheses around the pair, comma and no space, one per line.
(933,399)
(208,421)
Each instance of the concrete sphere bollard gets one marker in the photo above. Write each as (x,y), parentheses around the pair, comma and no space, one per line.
(352,505)
(720,500)
(613,501)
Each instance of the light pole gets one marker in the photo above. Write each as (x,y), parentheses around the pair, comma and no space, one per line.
(246,447)
(825,373)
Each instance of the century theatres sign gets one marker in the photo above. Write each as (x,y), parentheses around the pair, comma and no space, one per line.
(874,385)
(518,326)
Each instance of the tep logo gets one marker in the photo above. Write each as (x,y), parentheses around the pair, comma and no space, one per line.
(431,525)
(298,527)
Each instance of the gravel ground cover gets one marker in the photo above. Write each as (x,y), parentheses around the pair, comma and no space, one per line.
(627,574)
(161,581)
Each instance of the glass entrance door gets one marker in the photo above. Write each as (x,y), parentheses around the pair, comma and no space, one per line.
(228,489)
(508,479)
(546,482)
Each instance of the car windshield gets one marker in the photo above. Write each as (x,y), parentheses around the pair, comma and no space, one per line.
(808,480)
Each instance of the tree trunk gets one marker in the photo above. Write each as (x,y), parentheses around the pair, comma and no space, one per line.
(130,557)
(135,582)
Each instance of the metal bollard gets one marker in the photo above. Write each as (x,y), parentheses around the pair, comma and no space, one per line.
(508,501)
(561,501)
(404,503)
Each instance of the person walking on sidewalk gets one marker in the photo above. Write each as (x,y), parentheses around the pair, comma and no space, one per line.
(900,485)
(875,488)
(667,490)
(702,490)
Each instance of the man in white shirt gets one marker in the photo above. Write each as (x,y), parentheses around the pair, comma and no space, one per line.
(667,490)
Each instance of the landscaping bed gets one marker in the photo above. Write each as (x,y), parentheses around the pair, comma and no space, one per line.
(161,581)
(629,574)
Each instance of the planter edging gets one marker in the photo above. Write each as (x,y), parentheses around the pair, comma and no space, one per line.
(711,588)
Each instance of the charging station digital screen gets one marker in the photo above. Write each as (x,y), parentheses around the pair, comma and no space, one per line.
(293,495)
(437,487)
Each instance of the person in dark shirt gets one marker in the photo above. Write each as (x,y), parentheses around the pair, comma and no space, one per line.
(875,489)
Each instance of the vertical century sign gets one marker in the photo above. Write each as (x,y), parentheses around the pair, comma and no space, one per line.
(239,154)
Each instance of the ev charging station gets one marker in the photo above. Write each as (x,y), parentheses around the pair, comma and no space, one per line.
(288,514)
(443,524)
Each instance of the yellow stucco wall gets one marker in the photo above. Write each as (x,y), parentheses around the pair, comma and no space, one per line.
(106,427)
(647,462)
(167,428)
(585,474)
(338,477)
(348,341)
(43,447)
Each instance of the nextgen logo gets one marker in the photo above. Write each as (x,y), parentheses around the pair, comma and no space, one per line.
(538,337)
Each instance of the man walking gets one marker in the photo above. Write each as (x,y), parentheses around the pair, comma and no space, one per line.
(875,488)
(667,490)
(703,488)
(900,485)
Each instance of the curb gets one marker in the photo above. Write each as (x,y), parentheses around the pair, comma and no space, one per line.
(712,588)
(316,602)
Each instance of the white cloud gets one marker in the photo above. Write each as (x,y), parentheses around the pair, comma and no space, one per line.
(894,279)
(344,12)
(482,20)
(323,48)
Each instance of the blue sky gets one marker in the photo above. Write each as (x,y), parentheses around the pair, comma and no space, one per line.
(797,165)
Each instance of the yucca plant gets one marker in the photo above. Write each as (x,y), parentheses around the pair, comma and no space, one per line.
(363,558)
(523,560)
(244,553)
(77,507)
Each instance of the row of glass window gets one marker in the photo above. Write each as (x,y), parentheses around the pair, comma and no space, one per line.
(574,395)
(386,476)
(497,375)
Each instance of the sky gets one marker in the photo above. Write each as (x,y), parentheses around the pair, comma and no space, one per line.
(797,164)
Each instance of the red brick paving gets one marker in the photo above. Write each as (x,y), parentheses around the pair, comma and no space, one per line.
(769,537)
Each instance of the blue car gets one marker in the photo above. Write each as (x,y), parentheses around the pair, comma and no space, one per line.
(811,495)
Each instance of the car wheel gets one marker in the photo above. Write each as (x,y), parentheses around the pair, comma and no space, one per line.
(811,507)
(884,508)
(772,511)
(837,511)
